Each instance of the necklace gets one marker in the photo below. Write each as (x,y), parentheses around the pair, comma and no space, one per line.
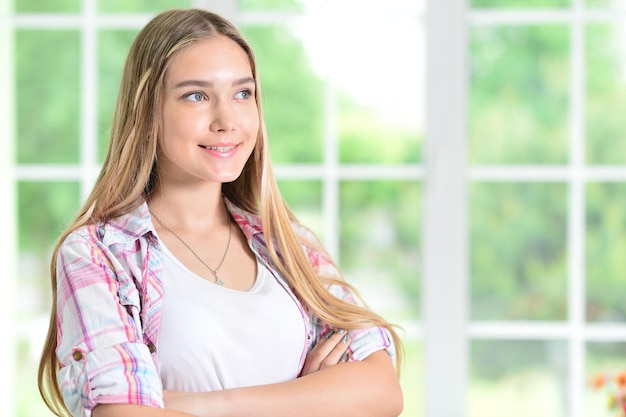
(213,270)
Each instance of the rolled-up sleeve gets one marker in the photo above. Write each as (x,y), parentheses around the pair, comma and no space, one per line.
(100,348)
(365,341)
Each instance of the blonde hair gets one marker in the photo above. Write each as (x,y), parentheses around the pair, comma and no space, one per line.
(128,175)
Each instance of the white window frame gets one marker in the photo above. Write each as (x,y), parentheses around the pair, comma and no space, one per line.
(446,326)
(448,329)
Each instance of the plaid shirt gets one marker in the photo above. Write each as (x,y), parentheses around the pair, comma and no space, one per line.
(109,296)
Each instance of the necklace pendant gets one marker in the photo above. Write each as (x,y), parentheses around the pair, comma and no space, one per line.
(218,281)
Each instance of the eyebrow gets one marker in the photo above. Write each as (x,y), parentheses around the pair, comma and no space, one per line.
(205,84)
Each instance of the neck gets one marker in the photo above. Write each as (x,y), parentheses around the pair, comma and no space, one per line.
(199,208)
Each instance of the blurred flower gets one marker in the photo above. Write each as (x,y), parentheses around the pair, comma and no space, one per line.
(614,387)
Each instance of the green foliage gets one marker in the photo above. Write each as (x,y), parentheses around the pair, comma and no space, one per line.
(40,6)
(39,228)
(519,95)
(292,95)
(113,46)
(605,249)
(518,251)
(48,94)
(134,6)
(606,95)
(493,359)
(304,198)
(365,138)
(380,226)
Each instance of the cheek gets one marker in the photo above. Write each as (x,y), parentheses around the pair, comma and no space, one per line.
(252,121)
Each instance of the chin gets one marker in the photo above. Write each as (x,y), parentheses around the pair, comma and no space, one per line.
(224,179)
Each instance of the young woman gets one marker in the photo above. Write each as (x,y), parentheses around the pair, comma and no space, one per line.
(185,286)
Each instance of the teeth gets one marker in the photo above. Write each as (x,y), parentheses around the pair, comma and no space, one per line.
(220,148)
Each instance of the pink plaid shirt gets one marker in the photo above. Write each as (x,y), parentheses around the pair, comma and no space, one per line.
(109,308)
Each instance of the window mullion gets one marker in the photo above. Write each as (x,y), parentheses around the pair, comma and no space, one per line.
(576,219)
(445,237)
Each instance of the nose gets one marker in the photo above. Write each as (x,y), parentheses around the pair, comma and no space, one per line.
(224,117)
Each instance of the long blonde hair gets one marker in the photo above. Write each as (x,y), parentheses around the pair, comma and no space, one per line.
(129,171)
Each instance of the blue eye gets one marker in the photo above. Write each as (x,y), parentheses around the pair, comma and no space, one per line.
(244,94)
(194,97)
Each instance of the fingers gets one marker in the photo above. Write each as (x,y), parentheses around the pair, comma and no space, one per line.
(329,351)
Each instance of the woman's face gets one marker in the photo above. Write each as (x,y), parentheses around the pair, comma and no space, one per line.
(209,114)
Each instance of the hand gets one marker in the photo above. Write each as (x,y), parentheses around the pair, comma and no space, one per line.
(329,351)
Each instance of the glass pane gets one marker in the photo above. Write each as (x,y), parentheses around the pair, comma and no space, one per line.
(269,5)
(292,94)
(411,378)
(48,93)
(379,243)
(525,378)
(605,361)
(305,200)
(520,4)
(606,94)
(518,251)
(125,6)
(613,4)
(380,113)
(605,247)
(354,7)
(519,94)
(113,46)
(39,6)
(43,210)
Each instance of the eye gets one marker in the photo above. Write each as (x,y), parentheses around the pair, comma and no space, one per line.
(194,97)
(244,94)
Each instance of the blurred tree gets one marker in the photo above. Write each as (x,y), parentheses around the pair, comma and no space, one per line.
(48,93)
(518,252)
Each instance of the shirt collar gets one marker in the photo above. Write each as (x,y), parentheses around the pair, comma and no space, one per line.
(138,222)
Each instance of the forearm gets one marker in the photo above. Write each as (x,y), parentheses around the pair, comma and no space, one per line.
(361,389)
(133,410)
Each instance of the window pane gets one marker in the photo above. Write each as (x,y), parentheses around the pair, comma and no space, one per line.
(292,94)
(380,89)
(380,254)
(113,46)
(519,94)
(520,4)
(48,93)
(605,359)
(525,378)
(411,378)
(271,5)
(39,6)
(605,246)
(518,251)
(125,6)
(614,4)
(305,200)
(43,210)
(374,6)
(379,243)
(606,94)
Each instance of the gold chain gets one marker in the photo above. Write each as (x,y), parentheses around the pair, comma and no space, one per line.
(213,271)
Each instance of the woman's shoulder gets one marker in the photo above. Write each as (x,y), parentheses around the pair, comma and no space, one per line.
(125,228)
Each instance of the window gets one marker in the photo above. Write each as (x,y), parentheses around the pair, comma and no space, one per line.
(464,162)
(343,97)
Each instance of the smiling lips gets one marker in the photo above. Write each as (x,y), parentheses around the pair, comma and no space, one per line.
(219,148)
(223,151)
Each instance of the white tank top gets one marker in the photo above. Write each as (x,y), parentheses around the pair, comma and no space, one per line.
(214,338)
